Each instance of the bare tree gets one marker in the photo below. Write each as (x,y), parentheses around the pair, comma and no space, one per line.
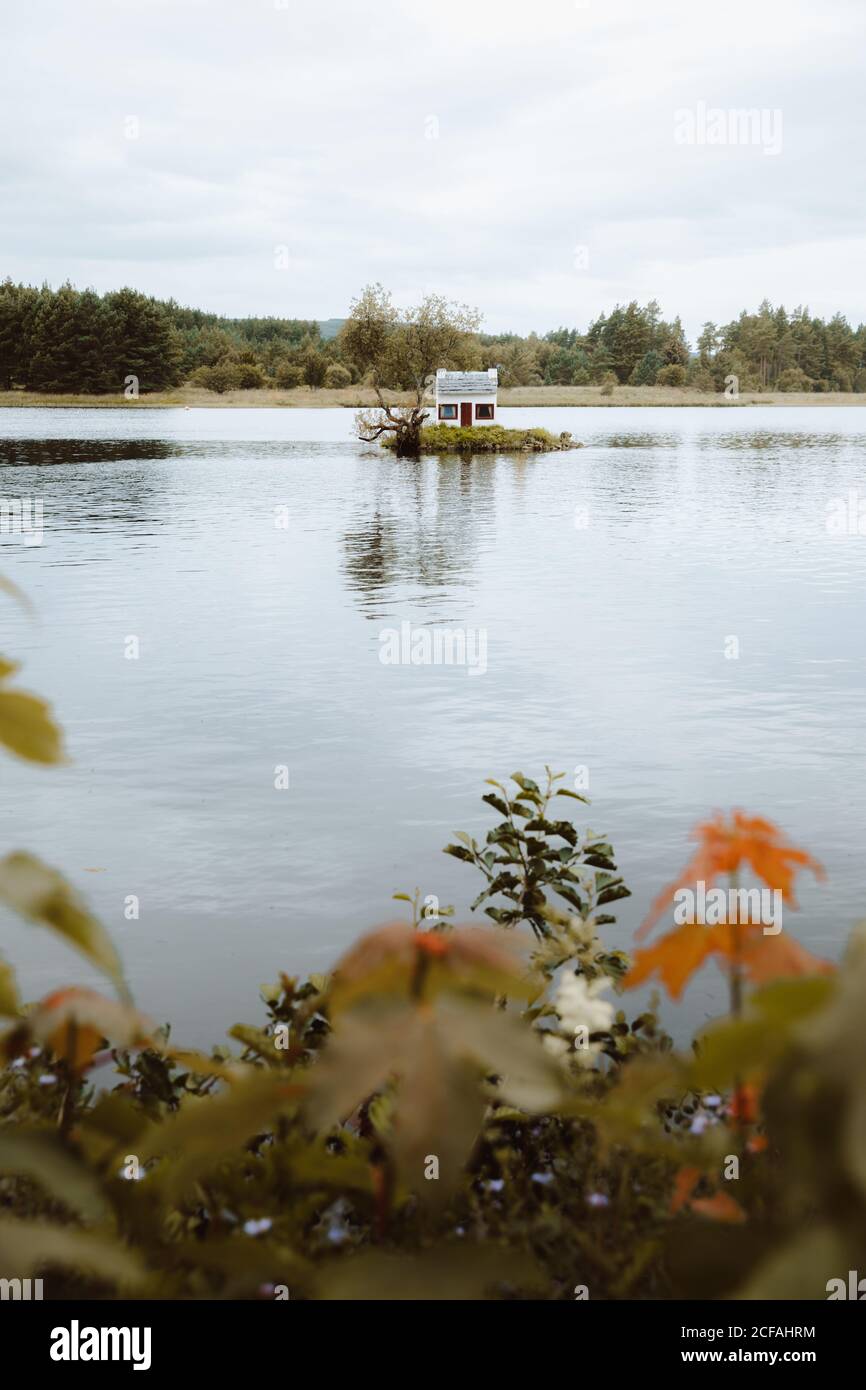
(401,351)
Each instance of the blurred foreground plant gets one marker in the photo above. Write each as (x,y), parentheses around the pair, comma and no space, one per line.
(422,1122)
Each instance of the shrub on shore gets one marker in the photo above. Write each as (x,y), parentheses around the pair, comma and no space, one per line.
(674,374)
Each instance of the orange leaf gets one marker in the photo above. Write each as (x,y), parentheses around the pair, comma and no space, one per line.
(766,958)
(724,846)
(73,1022)
(675,958)
(391,959)
(744,1104)
(720,1207)
(684,1185)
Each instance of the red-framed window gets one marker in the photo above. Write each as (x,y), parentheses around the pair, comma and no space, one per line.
(483,412)
(447,412)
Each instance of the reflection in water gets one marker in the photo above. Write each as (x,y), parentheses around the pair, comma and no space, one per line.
(371,556)
(782,441)
(428,520)
(44,453)
(643,441)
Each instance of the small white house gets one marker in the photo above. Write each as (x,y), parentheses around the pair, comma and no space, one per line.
(466,398)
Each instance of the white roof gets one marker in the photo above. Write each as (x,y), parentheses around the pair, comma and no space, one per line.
(466,383)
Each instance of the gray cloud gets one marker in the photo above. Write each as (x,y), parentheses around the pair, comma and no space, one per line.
(461,148)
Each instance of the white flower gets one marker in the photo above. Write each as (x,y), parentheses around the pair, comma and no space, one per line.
(556,1046)
(583,931)
(257,1228)
(579,1006)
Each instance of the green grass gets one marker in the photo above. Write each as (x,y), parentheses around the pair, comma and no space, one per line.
(487,439)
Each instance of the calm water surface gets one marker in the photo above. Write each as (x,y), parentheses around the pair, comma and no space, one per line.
(259,646)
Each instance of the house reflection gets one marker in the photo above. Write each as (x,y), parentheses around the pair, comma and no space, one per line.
(420,530)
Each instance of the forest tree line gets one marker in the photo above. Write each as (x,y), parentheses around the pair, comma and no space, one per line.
(78,341)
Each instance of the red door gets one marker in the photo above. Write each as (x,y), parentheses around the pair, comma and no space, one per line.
(465,414)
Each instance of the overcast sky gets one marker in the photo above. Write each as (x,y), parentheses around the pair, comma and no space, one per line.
(532,159)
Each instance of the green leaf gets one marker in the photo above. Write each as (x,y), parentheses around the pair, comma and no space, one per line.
(358,1059)
(246,1264)
(526,784)
(28,729)
(613,894)
(39,893)
(504,916)
(40,1156)
(569,895)
(801,1269)
(7,587)
(502,882)
(783,1002)
(535,799)
(257,1040)
(10,1003)
(435,1057)
(440,1109)
(450,1272)
(114,1121)
(25,1246)
(505,835)
(735,1049)
(459,853)
(313,1167)
(504,1043)
(208,1129)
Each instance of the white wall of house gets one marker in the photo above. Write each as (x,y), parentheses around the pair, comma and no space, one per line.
(458,401)
(446,398)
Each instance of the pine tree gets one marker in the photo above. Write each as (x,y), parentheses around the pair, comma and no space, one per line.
(17,304)
(647,369)
(142,342)
(68,342)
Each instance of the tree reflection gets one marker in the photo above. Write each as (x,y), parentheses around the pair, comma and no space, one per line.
(422,528)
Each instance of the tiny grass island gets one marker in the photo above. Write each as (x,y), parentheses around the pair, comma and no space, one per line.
(492,439)
(464,411)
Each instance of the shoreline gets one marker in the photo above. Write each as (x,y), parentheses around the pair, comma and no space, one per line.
(355,398)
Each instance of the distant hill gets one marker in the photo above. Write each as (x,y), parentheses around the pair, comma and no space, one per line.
(329,328)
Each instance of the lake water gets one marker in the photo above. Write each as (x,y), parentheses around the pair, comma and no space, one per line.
(609,583)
